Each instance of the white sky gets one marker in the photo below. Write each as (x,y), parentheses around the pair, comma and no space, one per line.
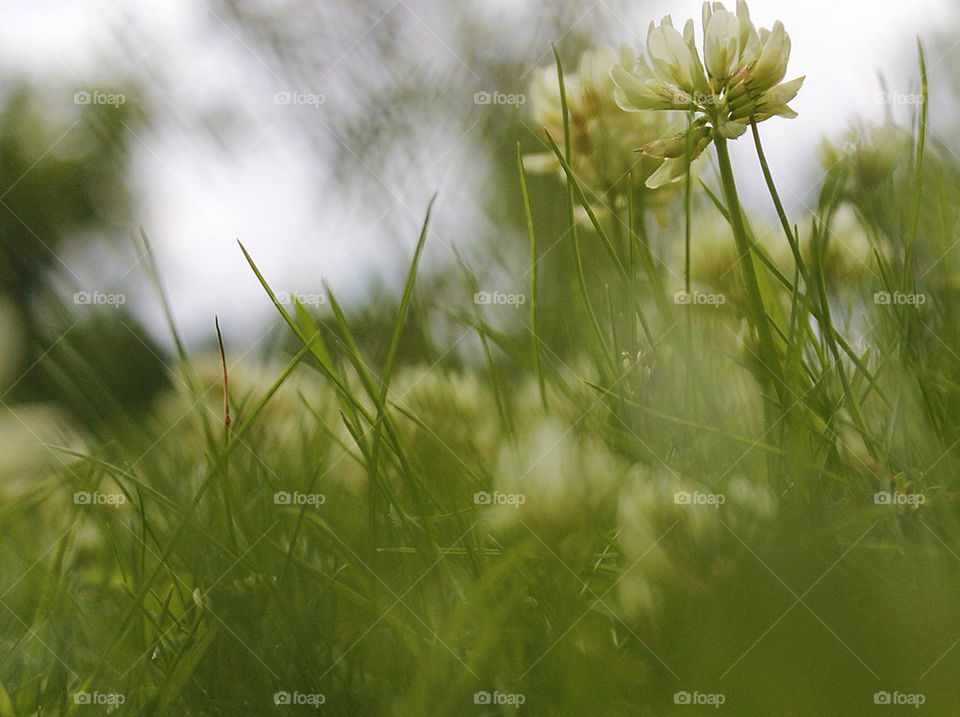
(264,189)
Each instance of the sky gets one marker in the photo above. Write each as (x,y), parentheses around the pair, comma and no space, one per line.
(263,185)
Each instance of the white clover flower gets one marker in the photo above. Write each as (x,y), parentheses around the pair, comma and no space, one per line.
(669,539)
(560,478)
(714,258)
(453,407)
(851,253)
(738,80)
(28,431)
(603,137)
(867,154)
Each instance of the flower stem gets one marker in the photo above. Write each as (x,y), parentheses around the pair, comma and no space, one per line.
(758,314)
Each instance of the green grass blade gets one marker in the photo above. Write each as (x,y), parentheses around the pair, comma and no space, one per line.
(535,344)
(589,210)
(405,304)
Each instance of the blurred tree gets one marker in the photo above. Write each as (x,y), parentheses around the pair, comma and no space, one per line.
(48,197)
(61,183)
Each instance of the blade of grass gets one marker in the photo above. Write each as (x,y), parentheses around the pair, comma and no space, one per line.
(909,279)
(585,203)
(153,273)
(571,215)
(535,344)
(212,472)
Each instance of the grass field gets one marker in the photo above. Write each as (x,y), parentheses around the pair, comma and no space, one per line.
(698,464)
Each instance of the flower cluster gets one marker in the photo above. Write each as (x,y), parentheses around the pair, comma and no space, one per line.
(565,478)
(738,81)
(867,155)
(603,137)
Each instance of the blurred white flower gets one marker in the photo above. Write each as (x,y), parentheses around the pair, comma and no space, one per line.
(867,154)
(849,255)
(32,434)
(454,407)
(674,532)
(714,261)
(603,137)
(738,80)
(562,477)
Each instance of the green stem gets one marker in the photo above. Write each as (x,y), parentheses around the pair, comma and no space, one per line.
(688,186)
(687,231)
(758,314)
(634,198)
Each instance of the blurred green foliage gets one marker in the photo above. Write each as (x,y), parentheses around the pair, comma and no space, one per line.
(409,589)
(63,183)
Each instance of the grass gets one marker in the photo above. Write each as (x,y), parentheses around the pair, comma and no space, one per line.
(684,504)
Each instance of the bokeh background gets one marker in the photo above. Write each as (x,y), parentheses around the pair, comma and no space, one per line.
(316,135)
(202,153)
(139,142)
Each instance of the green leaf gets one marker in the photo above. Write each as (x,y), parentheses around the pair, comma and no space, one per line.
(183,670)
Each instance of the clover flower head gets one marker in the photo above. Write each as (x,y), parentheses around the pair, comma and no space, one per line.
(868,155)
(739,79)
(603,137)
(850,255)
